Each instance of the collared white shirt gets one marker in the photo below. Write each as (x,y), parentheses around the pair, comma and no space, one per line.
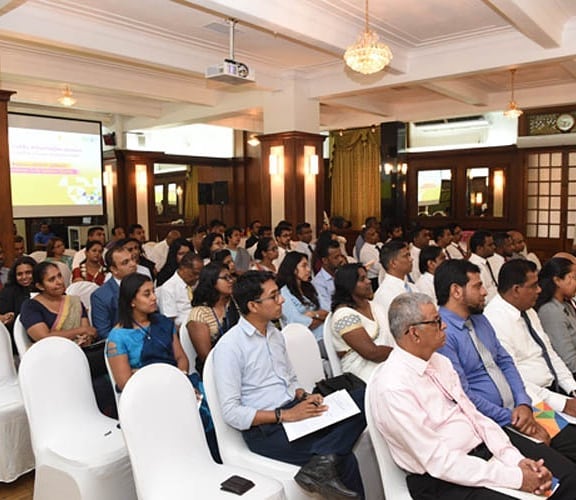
(388,290)
(174,300)
(512,331)
(370,253)
(252,372)
(430,425)
(281,254)
(158,254)
(490,285)
(415,254)
(425,284)
(496,263)
(454,252)
(305,248)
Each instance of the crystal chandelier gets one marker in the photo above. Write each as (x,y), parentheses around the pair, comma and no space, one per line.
(512,111)
(368,55)
(66,98)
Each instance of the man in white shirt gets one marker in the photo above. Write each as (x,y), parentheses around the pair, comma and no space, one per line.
(175,295)
(502,252)
(457,248)
(430,258)
(442,238)
(331,258)
(520,332)
(520,250)
(304,244)
(420,238)
(283,235)
(159,252)
(370,255)
(482,247)
(434,432)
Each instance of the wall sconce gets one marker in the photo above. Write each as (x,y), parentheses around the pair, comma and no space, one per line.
(253,141)
(388,168)
(141,177)
(312,165)
(274,164)
(400,168)
(479,198)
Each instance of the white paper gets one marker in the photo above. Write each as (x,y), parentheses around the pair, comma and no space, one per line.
(340,406)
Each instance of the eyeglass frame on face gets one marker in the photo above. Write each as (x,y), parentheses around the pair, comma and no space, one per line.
(276,297)
(438,322)
(228,278)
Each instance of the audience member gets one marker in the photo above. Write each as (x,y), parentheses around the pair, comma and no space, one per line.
(19,247)
(137,232)
(283,235)
(520,332)
(434,431)
(482,248)
(42,237)
(55,252)
(253,229)
(240,256)
(300,297)
(358,341)
(502,252)
(442,237)
(91,268)
(178,249)
(213,312)
(224,257)
(159,252)
(212,242)
(52,312)
(258,390)
(117,234)
(217,226)
(3,269)
(263,232)
(394,231)
(331,257)
(419,239)
(198,234)
(430,258)
(369,222)
(135,248)
(370,255)
(266,253)
(95,233)
(457,249)
(104,301)
(557,280)
(304,244)
(520,251)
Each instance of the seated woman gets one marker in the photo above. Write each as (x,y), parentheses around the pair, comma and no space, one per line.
(16,291)
(178,248)
(91,268)
(143,337)
(354,329)
(55,252)
(212,243)
(265,254)
(225,257)
(52,312)
(213,311)
(557,279)
(301,300)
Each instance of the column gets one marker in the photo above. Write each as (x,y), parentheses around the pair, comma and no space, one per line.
(6,214)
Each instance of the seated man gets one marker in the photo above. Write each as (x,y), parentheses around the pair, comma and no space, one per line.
(434,431)
(258,391)
(42,237)
(331,257)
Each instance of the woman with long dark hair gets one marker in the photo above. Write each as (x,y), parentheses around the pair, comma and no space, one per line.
(265,254)
(91,268)
(557,279)
(301,300)
(178,248)
(213,310)
(212,243)
(354,328)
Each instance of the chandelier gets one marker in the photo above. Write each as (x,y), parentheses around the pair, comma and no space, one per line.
(66,99)
(368,55)
(512,111)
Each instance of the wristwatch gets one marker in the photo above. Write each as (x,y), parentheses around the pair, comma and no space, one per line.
(278,414)
(316,316)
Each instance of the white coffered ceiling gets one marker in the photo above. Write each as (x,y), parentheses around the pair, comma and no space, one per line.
(140,63)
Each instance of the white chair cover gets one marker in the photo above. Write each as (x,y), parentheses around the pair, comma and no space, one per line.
(83,289)
(304,353)
(71,439)
(165,439)
(16,456)
(111,375)
(329,345)
(188,347)
(21,339)
(70,252)
(39,256)
(393,477)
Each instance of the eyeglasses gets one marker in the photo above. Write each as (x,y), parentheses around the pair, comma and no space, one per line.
(276,297)
(226,277)
(437,322)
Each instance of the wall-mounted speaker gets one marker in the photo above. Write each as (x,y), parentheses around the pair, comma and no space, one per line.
(220,193)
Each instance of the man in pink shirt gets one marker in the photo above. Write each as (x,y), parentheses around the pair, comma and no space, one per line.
(435,432)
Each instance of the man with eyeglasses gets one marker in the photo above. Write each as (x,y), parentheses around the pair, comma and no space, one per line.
(487,372)
(434,432)
(259,390)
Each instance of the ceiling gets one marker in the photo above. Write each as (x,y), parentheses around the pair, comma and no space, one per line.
(135,64)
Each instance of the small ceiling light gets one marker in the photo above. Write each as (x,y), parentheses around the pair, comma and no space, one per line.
(368,55)
(512,111)
(66,99)
(253,141)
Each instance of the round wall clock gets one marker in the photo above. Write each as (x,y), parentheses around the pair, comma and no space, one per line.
(565,122)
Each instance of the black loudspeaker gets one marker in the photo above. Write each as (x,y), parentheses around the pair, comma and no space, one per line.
(204,194)
(393,139)
(221,193)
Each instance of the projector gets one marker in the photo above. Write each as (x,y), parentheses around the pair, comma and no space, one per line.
(233,72)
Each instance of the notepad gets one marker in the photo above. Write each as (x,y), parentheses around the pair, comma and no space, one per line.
(340,407)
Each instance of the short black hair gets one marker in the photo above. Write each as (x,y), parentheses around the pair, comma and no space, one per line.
(93,229)
(450,272)
(263,229)
(322,250)
(281,227)
(248,287)
(390,251)
(229,231)
(478,239)
(438,232)
(430,252)
(132,227)
(514,272)
(500,239)
(109,257)
(300,227)
(113,232)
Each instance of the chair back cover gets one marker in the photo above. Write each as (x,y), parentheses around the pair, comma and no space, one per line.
(111,375)
(332,356)
(83,289)
(7,368)
(21,339)
(39,256)
(188,347)
(304,353)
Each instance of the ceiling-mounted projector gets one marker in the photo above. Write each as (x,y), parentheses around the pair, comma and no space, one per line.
(230,71)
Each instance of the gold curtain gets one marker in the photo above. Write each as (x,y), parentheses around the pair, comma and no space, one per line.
(354,169)
(191,206)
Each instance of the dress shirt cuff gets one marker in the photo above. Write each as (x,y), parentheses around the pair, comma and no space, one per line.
(511,456)
(555,400)
(510,475)
(241,417)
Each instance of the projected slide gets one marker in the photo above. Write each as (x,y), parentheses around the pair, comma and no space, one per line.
(55,166)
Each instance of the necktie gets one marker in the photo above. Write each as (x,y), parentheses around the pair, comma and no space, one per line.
(310,249)
(460,249)
(447,254)
(540,343)
(409,278)
(493,370)
(190,292)
(407,287)
(491,272)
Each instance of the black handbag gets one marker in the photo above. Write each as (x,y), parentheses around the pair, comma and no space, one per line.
(347,381)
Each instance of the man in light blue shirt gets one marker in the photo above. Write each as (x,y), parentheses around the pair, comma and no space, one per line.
(259,390)
(331,258)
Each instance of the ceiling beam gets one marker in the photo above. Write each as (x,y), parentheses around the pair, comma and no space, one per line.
(457,90)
